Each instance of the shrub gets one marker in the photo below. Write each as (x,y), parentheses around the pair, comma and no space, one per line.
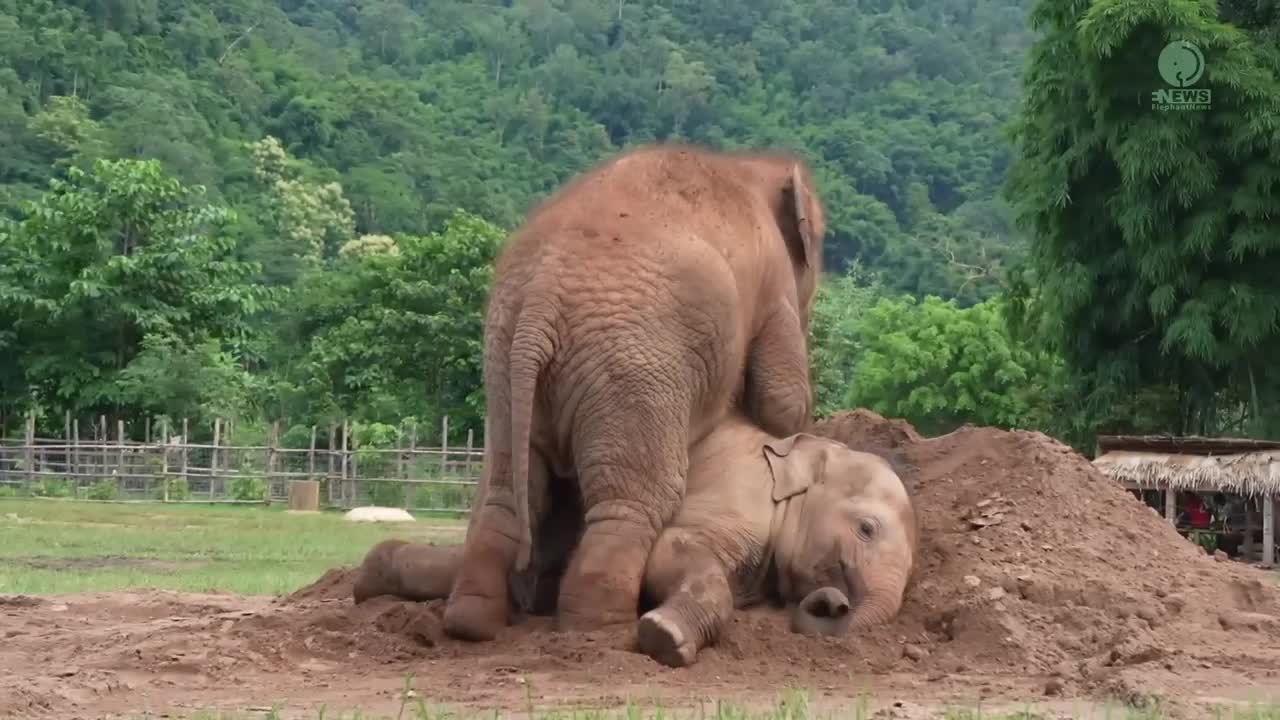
(249,488)
(179,489)
(104,489)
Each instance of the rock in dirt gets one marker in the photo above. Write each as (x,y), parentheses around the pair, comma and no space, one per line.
(915,652)
(1240,620)
(373,513)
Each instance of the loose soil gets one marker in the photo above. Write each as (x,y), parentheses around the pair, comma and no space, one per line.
(1038,580)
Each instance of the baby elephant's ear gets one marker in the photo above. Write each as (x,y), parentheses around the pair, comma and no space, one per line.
(794,461)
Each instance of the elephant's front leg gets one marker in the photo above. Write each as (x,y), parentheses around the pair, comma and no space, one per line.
(632,480)
(696,600)
(779,396)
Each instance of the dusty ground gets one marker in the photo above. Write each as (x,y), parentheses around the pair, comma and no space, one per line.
(1040,581)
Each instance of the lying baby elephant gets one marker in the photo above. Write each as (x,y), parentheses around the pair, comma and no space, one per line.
(803,519)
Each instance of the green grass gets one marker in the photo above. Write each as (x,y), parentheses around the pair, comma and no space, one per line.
(57,546)
(790,706)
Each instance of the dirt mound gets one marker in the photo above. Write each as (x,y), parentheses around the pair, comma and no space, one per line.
(1036,576)
(335,584)
(863,427)
(1032,560)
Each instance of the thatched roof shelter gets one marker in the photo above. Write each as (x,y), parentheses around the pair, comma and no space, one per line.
(1198,464)
(1233,465)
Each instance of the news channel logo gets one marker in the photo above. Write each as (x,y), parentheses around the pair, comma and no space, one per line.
(1181,65)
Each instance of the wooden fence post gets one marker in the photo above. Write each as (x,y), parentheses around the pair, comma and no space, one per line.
(444,447)
(102,438)
(400,466)
(346,431)
(271,459)
(470,448)
(29,455)
(75,448)
(186,444)
(311,456)
(164,459)
(120,475)
(213,457)
(66,444)
(413,459)
(333,441)
(354,468)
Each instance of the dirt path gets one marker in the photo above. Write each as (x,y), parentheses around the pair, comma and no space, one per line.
(1039,581)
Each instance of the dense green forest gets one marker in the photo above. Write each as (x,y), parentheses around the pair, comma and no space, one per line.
(261,209)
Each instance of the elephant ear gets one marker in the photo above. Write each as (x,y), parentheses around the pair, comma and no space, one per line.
(794,462)
(798,228)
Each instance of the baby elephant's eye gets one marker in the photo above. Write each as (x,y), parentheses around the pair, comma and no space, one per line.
(867,528)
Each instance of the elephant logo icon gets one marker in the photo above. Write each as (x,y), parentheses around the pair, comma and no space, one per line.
(1181,64)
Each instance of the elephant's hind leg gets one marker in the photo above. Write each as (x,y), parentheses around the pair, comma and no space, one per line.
(632,476)
(407,570)
(479,604)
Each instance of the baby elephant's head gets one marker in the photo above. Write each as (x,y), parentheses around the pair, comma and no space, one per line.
(846,549)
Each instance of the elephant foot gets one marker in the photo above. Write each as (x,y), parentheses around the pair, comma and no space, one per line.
(479,605)
(582,622)
(663,639)
(601,586)
(475,618)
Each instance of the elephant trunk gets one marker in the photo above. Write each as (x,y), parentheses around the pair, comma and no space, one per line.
(881,601)
(827,610)
(824,611)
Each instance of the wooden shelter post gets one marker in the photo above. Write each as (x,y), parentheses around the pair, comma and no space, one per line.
(1246,545)
(1268,530)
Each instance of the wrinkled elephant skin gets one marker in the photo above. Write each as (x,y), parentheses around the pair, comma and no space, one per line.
(628,314)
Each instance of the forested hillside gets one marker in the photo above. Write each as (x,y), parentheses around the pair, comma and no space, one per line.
(419,108)
(263,209)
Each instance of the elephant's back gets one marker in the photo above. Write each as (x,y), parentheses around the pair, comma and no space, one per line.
(655,199)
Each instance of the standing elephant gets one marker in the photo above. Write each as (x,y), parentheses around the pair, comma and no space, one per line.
(627,315)
(803,519)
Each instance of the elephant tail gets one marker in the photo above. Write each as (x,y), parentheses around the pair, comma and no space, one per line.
(531,349)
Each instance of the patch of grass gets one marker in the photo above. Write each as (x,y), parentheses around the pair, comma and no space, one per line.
(791,706)
(249,550)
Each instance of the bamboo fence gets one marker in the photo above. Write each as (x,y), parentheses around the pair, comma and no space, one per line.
(104,464)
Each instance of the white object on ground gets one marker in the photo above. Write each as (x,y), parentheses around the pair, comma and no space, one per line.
(372,513)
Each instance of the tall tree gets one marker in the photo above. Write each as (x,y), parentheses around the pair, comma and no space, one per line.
(1155,226)
(116,266)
